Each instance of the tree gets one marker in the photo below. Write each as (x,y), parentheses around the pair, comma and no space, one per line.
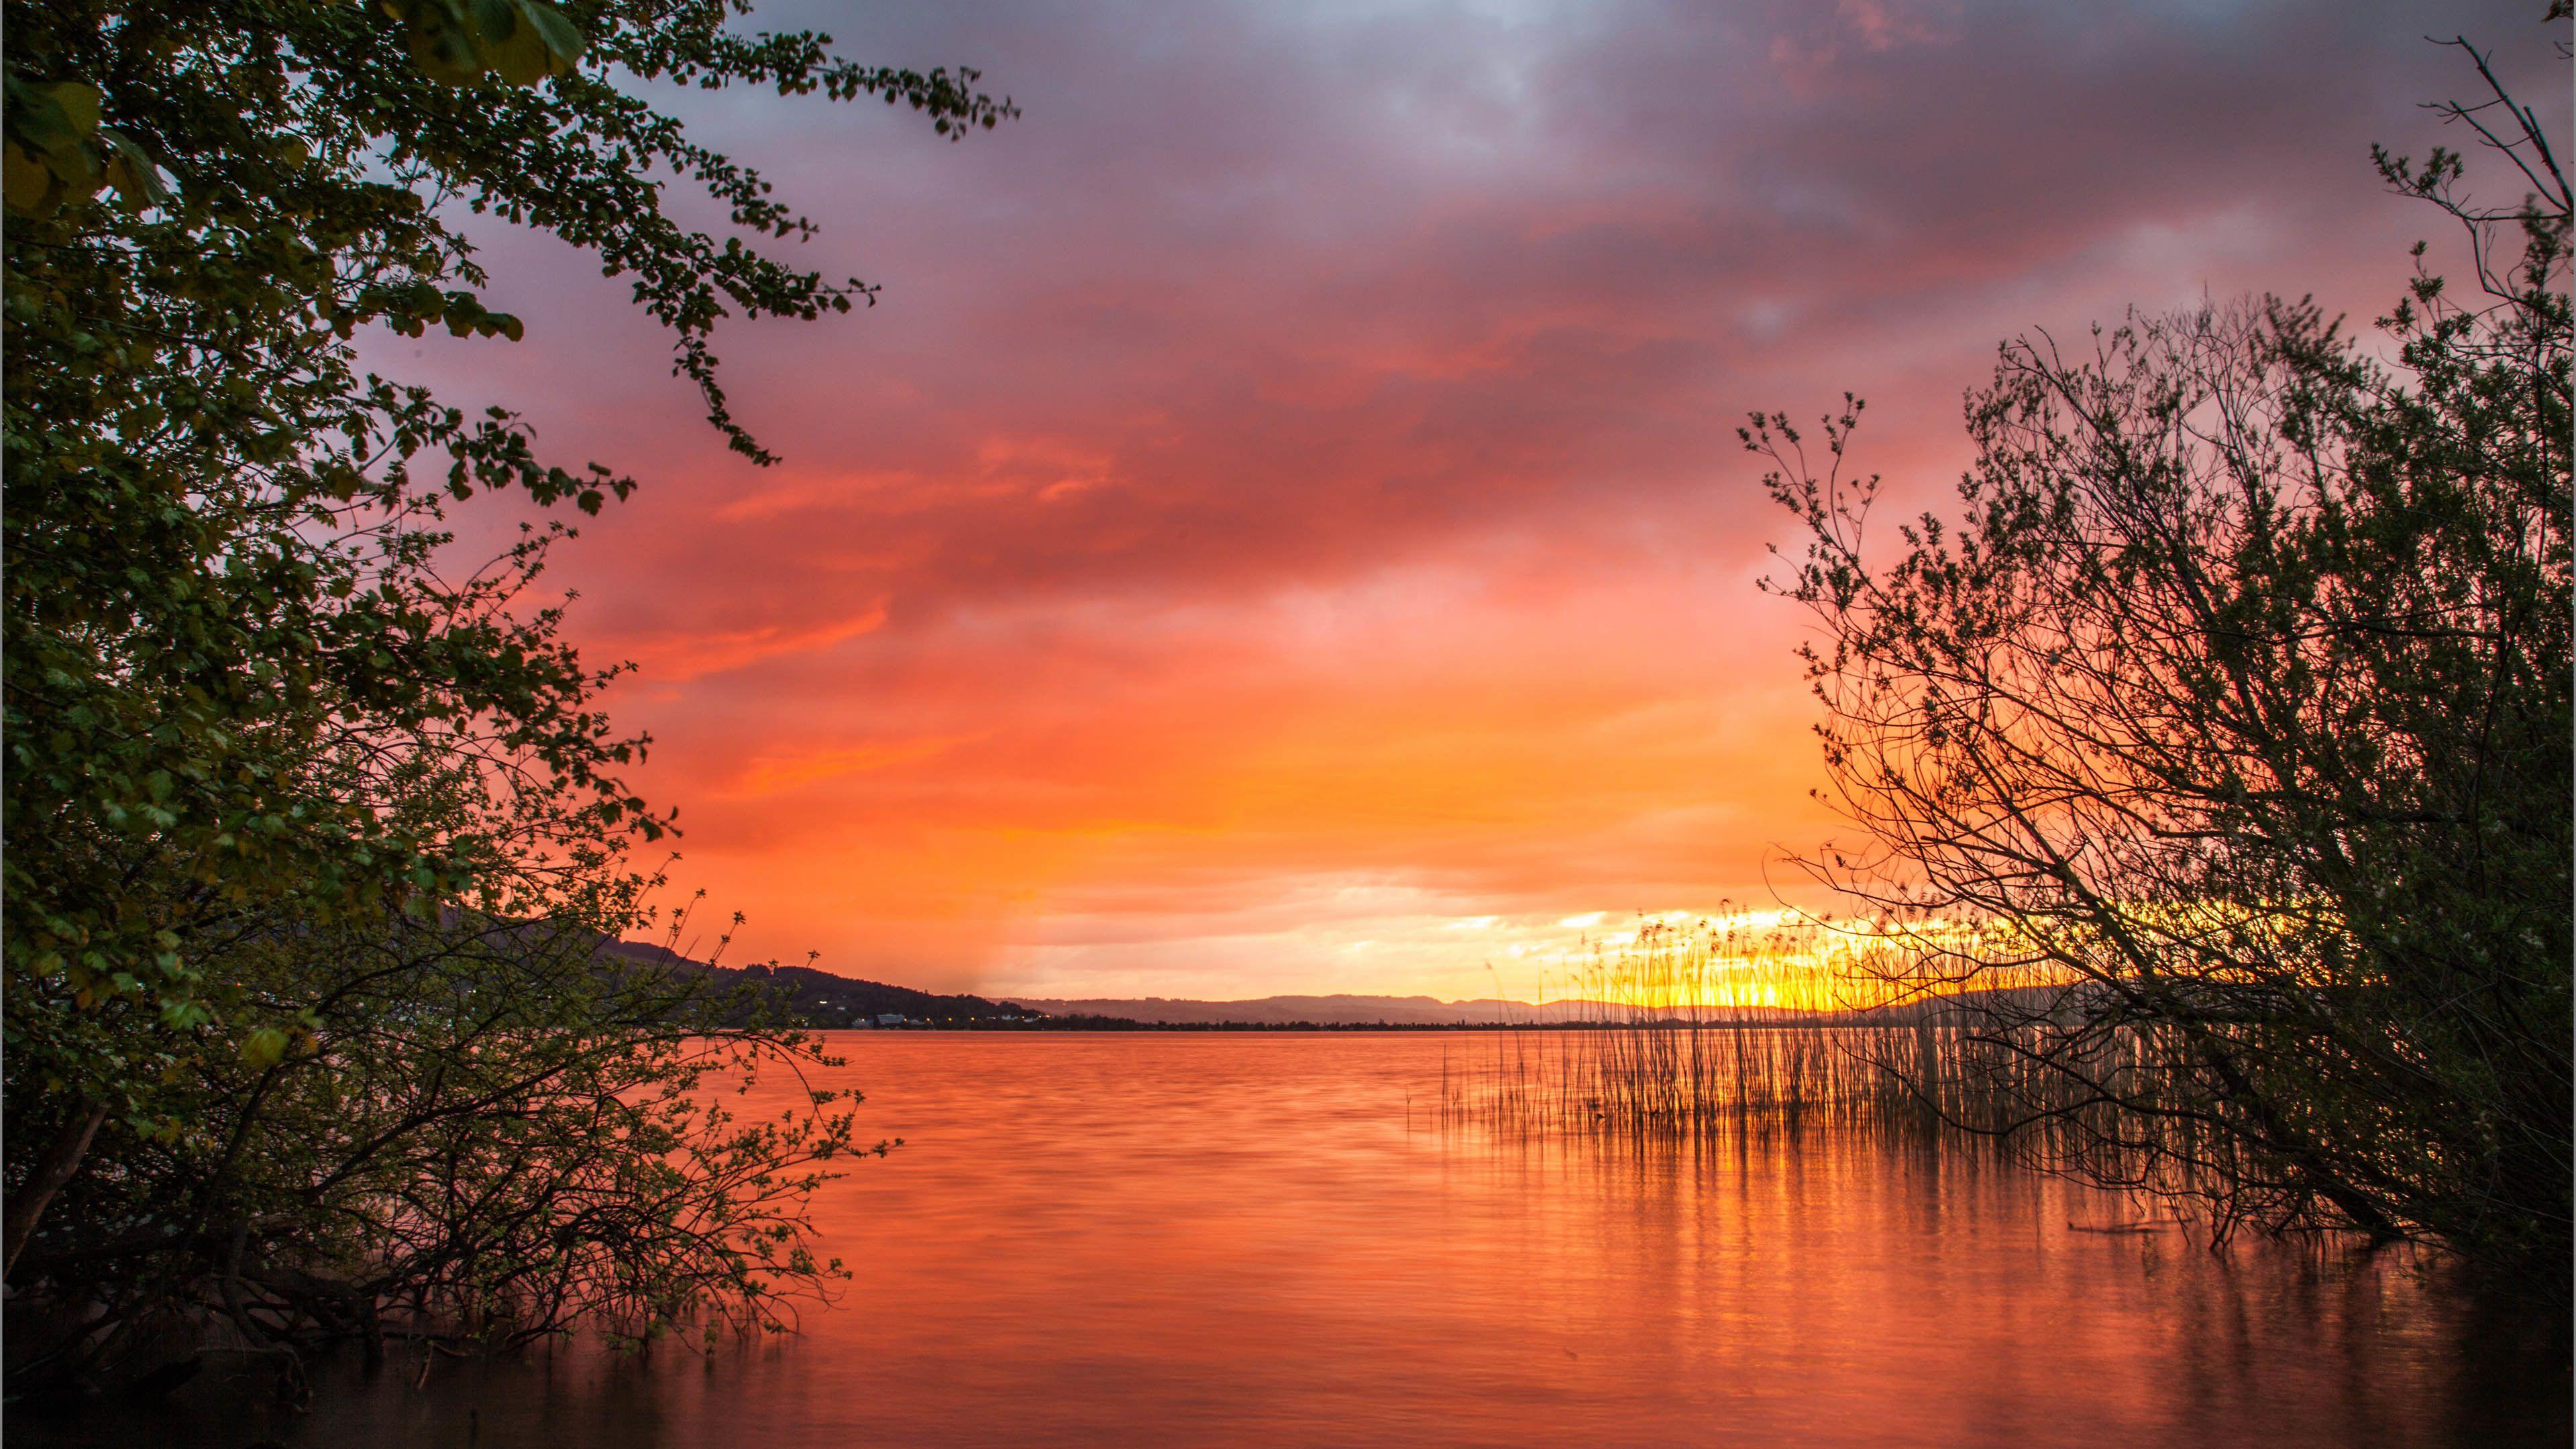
(2228,727)
(244,707)
(477,1133)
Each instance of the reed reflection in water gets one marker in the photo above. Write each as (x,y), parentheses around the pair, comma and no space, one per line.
(1269,1239)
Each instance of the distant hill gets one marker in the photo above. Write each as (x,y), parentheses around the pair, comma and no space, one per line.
(822,999)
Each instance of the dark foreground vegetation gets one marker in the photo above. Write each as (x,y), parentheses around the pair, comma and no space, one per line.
(313,828)
(2221,743)
(2227,724)
(2210,772)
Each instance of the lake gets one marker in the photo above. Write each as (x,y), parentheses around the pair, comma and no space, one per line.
(1169,1239)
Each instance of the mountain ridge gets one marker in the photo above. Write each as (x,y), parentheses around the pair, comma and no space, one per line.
(828,999)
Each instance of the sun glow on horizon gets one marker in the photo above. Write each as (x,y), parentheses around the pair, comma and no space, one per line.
(1676,960)
(1302,553)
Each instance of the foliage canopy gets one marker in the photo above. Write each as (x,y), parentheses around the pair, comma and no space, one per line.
(251,710)
(2232,714)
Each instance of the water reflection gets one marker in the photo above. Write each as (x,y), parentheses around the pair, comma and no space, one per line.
(1204,1240)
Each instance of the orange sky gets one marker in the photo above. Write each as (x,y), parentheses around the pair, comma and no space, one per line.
(1281,529)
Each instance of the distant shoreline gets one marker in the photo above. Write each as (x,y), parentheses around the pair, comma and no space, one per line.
(1104,1026)
(825,1001)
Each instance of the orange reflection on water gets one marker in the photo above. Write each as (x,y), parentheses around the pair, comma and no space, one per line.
(1203,1239)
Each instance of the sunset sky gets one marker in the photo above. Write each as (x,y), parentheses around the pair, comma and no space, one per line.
(1282,528)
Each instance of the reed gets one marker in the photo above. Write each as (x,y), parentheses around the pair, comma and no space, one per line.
(1683,1029)
(1686,1029)
(1685,1032)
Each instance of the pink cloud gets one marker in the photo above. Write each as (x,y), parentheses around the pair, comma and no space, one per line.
(1291,470)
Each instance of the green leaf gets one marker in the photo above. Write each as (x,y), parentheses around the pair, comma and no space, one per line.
(558,32)
(131,172)
(78,102)
(440,45)
(512,46)
(29,181)
(263,1048)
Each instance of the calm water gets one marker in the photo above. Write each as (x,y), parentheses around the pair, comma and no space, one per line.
(1231,1240)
